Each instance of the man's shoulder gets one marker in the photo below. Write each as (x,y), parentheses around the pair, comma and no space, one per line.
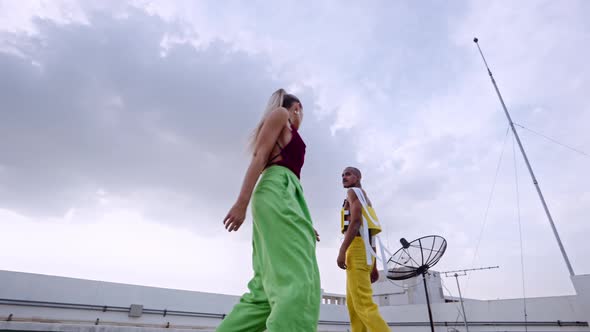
(351,192)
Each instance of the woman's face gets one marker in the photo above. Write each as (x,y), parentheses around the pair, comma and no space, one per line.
(297,110)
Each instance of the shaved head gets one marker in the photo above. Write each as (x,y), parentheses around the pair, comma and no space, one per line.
(354,171)
(351,177)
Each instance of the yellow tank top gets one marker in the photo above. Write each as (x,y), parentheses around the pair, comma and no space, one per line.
(368,214)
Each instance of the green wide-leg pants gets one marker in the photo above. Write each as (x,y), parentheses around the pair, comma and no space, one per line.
(285,292)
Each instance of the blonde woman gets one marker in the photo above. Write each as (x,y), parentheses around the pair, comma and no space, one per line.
(285,291)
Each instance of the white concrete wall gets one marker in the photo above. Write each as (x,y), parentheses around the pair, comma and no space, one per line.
(28,286)
(387,293)
(417,294)
(582,286)
(24,286)
(538,309)
(35,287)
(410,291)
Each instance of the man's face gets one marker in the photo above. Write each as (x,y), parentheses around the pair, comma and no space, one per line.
(349,179)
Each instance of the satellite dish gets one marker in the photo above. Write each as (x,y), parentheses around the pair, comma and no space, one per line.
(416,258)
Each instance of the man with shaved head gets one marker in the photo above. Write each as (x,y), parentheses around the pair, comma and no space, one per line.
(359,224)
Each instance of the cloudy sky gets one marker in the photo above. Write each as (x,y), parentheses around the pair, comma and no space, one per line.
(123,130)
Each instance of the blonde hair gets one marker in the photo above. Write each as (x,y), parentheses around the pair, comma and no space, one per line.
(275,101)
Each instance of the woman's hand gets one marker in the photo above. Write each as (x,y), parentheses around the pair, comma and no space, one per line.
(235,217)
(268,136)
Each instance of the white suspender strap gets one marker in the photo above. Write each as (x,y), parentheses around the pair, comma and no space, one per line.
(364,229)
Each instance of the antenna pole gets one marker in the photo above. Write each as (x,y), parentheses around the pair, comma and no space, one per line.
(535,182)
(462,306)
(464,273)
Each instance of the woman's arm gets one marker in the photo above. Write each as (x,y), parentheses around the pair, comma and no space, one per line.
(269,134)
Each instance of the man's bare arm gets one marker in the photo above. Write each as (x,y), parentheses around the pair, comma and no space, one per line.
(355,220)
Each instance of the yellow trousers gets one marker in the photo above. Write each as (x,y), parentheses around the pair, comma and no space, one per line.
(364,313)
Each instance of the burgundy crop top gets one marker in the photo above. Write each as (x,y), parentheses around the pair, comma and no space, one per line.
(293,154)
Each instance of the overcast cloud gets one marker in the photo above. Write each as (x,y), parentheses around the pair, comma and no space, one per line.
(123,129)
